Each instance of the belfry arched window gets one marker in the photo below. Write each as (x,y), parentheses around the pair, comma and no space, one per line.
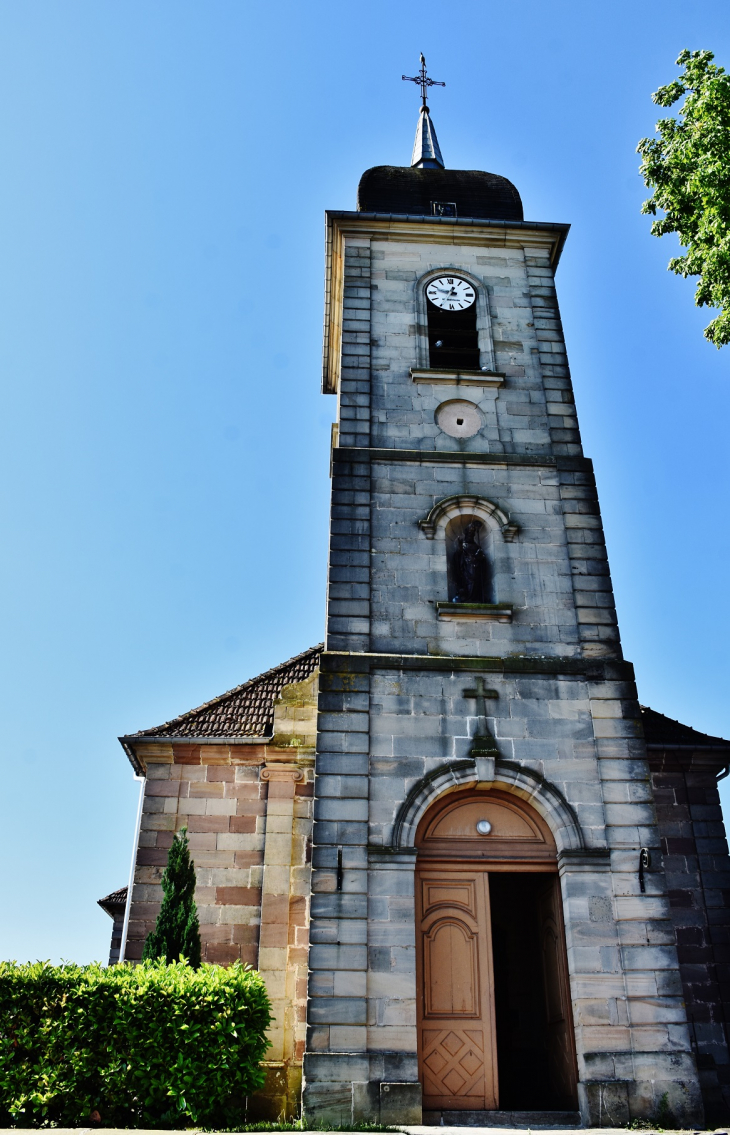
(451,310)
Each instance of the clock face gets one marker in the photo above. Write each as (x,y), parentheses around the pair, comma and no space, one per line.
(451,293)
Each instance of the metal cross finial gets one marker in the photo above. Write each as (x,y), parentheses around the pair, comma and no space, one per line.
(423,80)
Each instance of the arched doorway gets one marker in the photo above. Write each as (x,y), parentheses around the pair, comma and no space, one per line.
(495,1028)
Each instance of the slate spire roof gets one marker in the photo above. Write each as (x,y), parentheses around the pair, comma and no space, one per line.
(245,711)
(426,149)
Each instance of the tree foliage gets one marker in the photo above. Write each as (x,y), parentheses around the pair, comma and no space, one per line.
(688,168)
(177,932)
(152,1045)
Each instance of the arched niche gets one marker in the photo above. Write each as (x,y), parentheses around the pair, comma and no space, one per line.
(447,522)
(484,325)
(483,535)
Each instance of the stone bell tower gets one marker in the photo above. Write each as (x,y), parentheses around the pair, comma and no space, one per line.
(490,930)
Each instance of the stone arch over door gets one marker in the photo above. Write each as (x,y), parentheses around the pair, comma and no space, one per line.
(484,321)
(509,776)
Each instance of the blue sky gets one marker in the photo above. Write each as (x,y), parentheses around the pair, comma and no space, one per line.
(164,446)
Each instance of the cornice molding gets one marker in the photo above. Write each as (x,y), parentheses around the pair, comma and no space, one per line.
(567,464)
(452,230)
(593,669)
(162,746)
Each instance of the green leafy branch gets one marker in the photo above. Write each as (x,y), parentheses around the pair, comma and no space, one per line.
(688,168)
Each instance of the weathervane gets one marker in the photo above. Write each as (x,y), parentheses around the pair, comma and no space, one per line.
(423,80)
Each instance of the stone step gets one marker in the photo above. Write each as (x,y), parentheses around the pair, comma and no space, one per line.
(502,1118)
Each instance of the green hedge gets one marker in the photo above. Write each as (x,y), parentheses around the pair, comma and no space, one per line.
(153,1045)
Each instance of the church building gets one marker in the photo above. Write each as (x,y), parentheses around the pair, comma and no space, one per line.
(482,883)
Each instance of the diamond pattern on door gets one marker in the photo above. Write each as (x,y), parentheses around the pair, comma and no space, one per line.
(471,1062)
(453,1081)
(454,1066)
(452,1044)
(436,1062)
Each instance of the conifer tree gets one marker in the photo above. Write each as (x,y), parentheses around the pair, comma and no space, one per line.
(177,932)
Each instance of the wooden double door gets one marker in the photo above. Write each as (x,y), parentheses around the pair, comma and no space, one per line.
(494,1018)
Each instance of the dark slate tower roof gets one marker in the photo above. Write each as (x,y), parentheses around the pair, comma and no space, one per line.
(404,189)
(416,189)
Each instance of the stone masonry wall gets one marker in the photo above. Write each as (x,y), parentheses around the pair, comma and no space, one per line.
(248,811)
(218,795)
(533,413)
(697,867)
(394,720)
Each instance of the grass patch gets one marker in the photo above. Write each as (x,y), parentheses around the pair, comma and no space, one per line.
(300,1125)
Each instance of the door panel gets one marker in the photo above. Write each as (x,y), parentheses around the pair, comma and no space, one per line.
(451,969)
(456,1002)
(561,1045)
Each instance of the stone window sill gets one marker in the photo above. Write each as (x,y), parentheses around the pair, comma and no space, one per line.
(496,612)
(457,378)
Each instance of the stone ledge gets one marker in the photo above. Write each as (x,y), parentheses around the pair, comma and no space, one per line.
(347,663)
(585,858)
(493,612)
(357,455)
(445,377)
(507,1120)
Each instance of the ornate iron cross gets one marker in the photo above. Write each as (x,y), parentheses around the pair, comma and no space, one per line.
(423,81)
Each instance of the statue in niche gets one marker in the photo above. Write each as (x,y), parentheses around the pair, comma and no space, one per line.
(470,566)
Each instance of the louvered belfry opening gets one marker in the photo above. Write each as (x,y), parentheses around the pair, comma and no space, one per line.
(452,338)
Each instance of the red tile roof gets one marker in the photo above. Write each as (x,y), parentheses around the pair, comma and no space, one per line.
(246,711)
(114,903)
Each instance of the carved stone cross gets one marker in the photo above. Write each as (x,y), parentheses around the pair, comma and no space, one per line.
(483,743)
(480,694)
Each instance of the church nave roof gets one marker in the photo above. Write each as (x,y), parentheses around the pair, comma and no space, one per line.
(245,711)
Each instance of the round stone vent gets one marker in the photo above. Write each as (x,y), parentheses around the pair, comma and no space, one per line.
(459,418)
